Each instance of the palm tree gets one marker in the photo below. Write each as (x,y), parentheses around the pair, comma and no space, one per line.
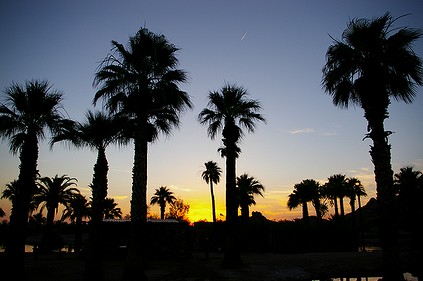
(162,196)
(111,209)
(76,210)
(2,213)
(304,192)
(51,193)
(97,132)
(141,83)
(372,64)
(354,190)
(212,175)
(406,183)
(336,188)
(248,187)
(28,112)
(229,110)
(11,192)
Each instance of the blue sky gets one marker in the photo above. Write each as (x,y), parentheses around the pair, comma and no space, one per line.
(275,49)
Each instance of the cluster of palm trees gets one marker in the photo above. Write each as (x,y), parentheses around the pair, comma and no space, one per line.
(330,193)
(139,87)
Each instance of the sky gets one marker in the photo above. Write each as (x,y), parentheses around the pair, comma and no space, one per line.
(275,49)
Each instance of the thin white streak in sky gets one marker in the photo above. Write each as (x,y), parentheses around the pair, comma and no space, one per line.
(243,36)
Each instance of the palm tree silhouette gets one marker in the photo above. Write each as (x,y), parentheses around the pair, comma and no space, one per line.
(354,190)
(162,196)
(140,82)
(212,175)
(336,189)
(52,192)
(28,112)
(98,131)
(228,111)
(111,209)
(304,192)
(372,64)
(76,210)
(248,187)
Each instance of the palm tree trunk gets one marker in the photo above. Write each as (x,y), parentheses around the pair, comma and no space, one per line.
(232,258)
(134,267)
(305,211)
(162,211)
(341,205)
(213,203)
(245,212)
(387,207)
(94,264)
(335,202)
(15,248)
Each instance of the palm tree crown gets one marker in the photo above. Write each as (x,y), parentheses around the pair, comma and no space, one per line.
(248,187)
(111,209)
(373,64)
(212,175)
(304,192)
(162,196)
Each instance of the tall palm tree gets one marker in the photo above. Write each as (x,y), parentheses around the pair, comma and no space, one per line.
(248,187)
(141,82)
(304,192)
(373,63)
(336,189)
(162,196)
(212,175)
(111,209)
(229,110)
(355,190)
(76,210)
(28,112)
(51,193)
(97,132)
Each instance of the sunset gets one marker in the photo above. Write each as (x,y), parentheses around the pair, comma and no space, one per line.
(295,117)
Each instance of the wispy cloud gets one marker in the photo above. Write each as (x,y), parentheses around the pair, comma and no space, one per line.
(175,187)
(301,131)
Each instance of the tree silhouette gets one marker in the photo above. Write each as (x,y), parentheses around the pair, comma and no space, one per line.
(373,63)
(76,210)
(140,82)
(52,192)
(28,112)
(98,131)
(354,191)
(212,175)
(2,213)
(248,187)
(111,209)
(162,196)
(304,192)
(229,110)
(336,188)
(178,210)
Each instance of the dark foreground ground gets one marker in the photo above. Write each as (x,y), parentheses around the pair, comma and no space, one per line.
(69,267)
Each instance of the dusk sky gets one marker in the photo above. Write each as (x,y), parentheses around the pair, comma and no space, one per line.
(275,49)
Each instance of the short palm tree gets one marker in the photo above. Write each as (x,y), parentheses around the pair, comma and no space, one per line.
(51,193)
(111,209)
(248,187)
(229,110)
(212,175)
(304,192)
(98,131)
(355,190)
(372,64)
(336,188)
(28,112)
(141,83)
(77,208)
(407,186)
(162,196)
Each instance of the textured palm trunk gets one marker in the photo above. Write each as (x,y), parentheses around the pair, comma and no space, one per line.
(94,264)
(162,210)
(387,208)
(47,240)
(245,212)
(15,247)
(134,267)
(335,202)
(232,257)
(213,202)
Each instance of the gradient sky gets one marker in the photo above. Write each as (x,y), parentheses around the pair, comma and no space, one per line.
(275,49)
